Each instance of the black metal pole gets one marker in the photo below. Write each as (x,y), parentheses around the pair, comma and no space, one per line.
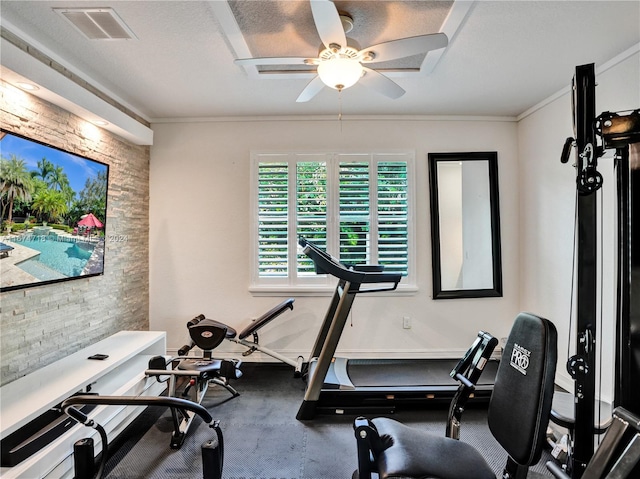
(582,365)
(627,393)
(84,466)
(622,307)
(632,402)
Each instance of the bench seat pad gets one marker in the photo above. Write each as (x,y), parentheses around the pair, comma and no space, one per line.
(440,458)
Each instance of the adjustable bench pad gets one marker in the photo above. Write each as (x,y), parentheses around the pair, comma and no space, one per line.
(266,317)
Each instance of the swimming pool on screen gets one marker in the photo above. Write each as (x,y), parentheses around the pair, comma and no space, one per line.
(59,257)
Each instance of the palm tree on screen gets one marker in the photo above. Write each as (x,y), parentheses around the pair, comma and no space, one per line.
(45,167)
(58,179)
(50,204)
(15,183)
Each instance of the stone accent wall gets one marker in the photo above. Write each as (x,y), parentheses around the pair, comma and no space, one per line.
(41,324)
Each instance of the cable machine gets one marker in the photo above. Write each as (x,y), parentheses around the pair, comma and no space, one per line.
(622,132)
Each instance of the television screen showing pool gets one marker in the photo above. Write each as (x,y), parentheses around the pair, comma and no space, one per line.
(53,206)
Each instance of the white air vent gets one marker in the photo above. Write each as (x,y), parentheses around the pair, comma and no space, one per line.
(97,23)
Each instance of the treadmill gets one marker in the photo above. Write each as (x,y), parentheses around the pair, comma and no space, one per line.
(355,386)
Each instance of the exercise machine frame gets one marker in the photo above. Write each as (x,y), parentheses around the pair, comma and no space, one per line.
(517,417)
(330,388)
(619,132)
(618,454)
(198,372)
(253,345)
(212,450)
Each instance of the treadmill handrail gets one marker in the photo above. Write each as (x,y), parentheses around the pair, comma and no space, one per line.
(357,275)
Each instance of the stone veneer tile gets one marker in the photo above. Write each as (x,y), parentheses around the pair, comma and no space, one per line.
(42,324)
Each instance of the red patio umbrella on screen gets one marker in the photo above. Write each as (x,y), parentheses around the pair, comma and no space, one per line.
(90,221)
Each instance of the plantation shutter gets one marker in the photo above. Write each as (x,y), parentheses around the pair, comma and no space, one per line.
(273,192)
(393,216)
(356,206)
(355,219)
(311,209)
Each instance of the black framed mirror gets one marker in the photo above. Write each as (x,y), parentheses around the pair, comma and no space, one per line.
(465,225)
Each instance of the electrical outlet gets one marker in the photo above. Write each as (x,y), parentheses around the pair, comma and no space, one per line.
(406,322)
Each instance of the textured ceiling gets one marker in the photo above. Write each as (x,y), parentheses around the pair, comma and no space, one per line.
(286,28)
(503,57)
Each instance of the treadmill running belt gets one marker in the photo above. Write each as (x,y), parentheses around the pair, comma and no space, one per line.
(410,372)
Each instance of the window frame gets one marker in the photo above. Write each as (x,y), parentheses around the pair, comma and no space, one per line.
(324,284)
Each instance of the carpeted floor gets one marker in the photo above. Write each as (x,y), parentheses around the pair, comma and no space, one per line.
(263,440)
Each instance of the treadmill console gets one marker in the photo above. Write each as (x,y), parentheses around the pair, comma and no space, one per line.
(355,275)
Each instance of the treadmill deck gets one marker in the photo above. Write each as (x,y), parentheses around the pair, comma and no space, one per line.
(384,385)
(411,373)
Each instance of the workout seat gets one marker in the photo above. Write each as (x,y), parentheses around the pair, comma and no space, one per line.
(207,334)
(518,415)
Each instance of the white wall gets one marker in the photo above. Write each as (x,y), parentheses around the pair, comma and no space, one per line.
(547,202)
(199,235)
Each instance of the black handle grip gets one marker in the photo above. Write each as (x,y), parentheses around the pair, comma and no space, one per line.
(185,349)
(566,150)
(78,415)
(465,381)
(195,320)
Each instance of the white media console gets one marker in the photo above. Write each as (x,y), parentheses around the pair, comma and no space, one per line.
(121,374)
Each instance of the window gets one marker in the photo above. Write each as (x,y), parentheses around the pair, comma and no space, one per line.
(357,206)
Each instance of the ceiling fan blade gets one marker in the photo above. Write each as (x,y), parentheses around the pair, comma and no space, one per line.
(273,61)
(328,24)
(311,90)
(405,47)
(377,81)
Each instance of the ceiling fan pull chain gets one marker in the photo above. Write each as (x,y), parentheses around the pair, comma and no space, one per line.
(340,109)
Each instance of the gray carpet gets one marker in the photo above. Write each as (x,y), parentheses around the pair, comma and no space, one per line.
(263,440)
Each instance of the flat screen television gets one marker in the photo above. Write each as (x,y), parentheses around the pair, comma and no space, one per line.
(53,206)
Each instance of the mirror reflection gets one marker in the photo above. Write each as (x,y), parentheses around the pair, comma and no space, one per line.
(465,225)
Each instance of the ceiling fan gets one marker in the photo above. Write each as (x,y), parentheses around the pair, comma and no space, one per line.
(340,65)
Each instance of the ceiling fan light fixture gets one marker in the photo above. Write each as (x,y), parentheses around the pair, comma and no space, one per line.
(340,73)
